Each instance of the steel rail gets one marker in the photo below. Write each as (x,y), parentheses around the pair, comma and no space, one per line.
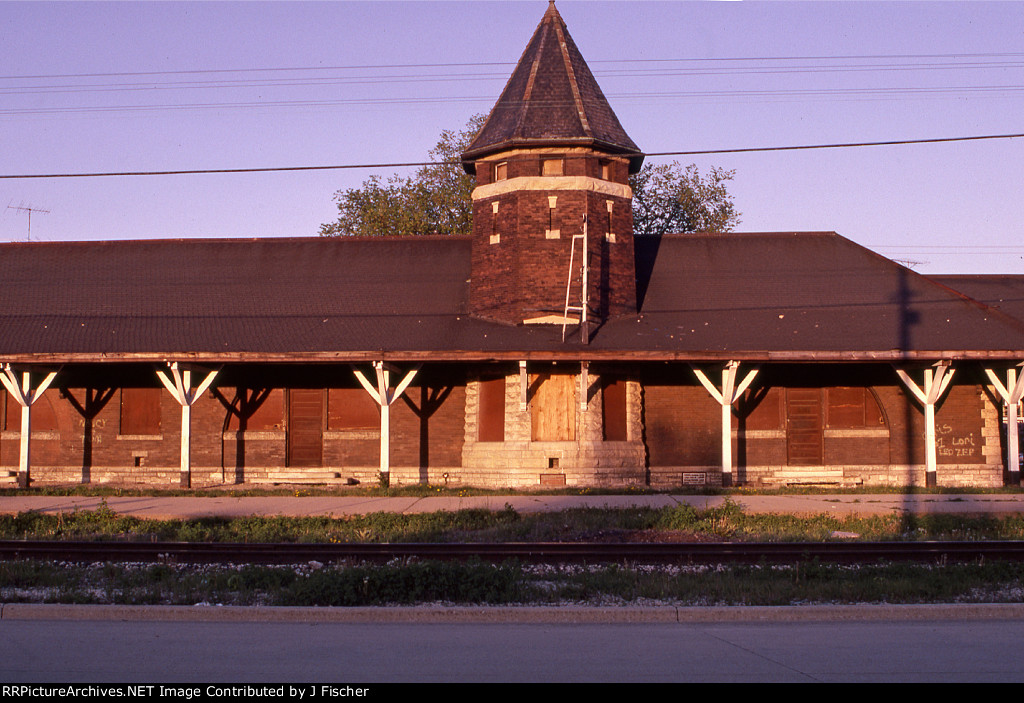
(538,552)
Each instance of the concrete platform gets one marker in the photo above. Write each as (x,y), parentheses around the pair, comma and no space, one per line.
(561,614)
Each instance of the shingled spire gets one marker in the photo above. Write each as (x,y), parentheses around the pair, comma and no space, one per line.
(552,99)
(552,166)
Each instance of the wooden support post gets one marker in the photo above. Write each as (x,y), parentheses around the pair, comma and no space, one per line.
(186,445)
(935,384)
(1011,395)
(383,383)
(585,275)
(384,396)
(180,386)
(726,397)
(25,444)
(25,396)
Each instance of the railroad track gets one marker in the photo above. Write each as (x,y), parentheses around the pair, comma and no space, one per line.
(538,552)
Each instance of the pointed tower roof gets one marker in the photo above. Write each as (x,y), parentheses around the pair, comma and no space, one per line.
(552,99)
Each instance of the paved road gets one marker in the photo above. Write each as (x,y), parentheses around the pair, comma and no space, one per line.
(869,650)
(229,506)
(904,643)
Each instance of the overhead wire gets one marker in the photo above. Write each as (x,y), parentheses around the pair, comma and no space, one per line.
(662,68)
(463,64)
(279,77)
(698,152)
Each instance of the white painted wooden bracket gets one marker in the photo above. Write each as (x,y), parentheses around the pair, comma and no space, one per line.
(179,383)
(385,396)
(524,386)
(935,384)
(1011,395)
(727,397)
(25,396)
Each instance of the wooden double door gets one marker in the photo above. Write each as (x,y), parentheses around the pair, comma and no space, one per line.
(553,407)
(805,433)
(305,427)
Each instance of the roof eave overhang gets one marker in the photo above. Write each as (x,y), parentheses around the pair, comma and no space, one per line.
(448,356)
(469,158)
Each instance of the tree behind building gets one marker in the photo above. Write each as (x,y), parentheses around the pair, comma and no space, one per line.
(437,199)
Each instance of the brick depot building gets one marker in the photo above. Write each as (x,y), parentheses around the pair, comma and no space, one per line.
(548,348)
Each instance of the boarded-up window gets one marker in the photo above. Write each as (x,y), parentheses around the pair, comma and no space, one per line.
(5,407)
(10,412)
(613,410)
(492,410)
(805,437)
(352,409)
(552,167)
(140,411)
(852,408)
(44,418)
(257,409)
(553,407)
(766,413)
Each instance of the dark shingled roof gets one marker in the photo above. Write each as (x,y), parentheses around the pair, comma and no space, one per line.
(552,99)
(803,293)
(263,295)
(807,296)
(1004,293)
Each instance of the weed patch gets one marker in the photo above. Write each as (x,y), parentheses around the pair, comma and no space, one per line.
(477,583)
(726,522)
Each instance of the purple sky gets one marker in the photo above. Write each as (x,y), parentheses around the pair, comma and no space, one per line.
(681,76)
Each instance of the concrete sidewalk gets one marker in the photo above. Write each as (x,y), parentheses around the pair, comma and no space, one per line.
(521,614)
(156,507)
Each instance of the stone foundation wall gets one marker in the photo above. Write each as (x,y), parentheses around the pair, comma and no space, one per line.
(900,476)
(521,462)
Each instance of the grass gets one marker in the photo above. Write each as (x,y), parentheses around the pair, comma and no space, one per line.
(684,523)
(475,583)
(412,582)
(427,490)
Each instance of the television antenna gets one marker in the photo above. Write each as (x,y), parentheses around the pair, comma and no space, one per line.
(910,263)
(29,210)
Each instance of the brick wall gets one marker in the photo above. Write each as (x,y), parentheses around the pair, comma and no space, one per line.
(672,436)
(683,426)
(427,429)
(522,245)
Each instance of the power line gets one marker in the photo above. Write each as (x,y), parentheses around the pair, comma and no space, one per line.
(761,96)
(847,145)
(224,170)
(686,60)
(285,77)
(319,80)
(754,95)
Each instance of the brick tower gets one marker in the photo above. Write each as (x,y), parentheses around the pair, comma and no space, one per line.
(550,157)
